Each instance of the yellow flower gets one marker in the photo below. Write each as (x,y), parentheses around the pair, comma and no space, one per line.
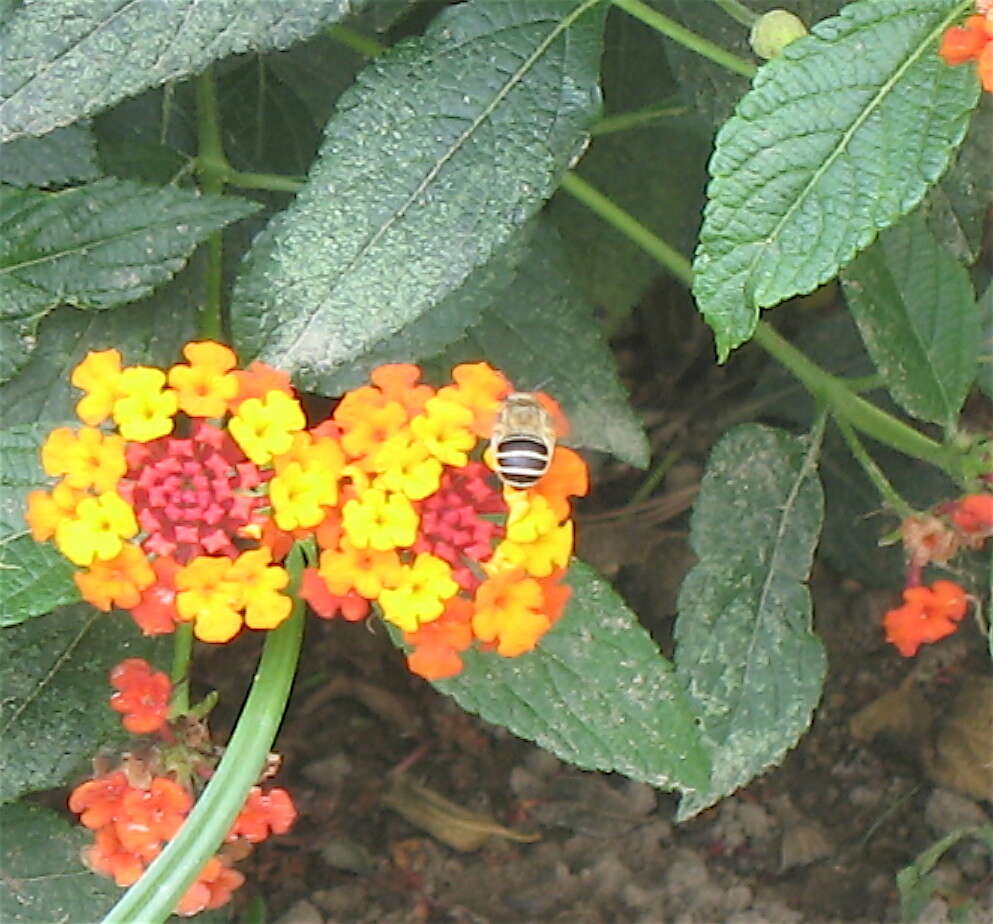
(445,429)
(300,495)
(264,427)
(539,558)
(46,511)
(207,384)
(99,376)
(380,521)
(97,529)
(530,516)
(260,583)
(147,408)
(406,467)
(209,597)
(366,571)
(88,459)
(508,611)
(420,594)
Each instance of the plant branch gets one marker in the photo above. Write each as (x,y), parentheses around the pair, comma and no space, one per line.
(738,12)
(622,121)
(685,37)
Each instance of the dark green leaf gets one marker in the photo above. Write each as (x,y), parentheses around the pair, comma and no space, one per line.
(444,322)
(838,138)
(59,64)
(595,692)
(53,694)
(542,333)
(918,317)
(442,149)
(94,246)
(150,332)
(65,156)
(43,878)
(957,206)
(655,172)
(34,578)
(745,649)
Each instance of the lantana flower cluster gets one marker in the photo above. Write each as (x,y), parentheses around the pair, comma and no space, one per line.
(135,809)
(972,41)
(185,488)
(932,612)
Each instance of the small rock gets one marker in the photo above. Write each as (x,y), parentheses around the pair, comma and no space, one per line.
(301,912)
(946,810)
(737,898)
(755,821)
(803,843)
(344,902)
(329,771)
(641,797)
(934,912)
(348,855)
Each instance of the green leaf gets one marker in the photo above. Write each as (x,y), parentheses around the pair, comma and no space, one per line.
(838,138)
(542,333)
(53,694)
(57,66)
(150,333)
(956,207)
(445,321)
(94,247)
(445,145)
(595,692)
(918,317)
(34,577)
(745,649)
(917,883)
(65,156)
(43,878)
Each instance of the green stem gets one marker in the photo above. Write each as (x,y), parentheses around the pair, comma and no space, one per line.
(356,41)
(153,897)
(270,181)
(629,226)
(211,167)
(831,391)
(684,36)
(738,12)
(182,649)
(872,470)
(639,117)
(844,404)
(655,477)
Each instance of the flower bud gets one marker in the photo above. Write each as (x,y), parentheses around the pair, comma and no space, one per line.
(773,31)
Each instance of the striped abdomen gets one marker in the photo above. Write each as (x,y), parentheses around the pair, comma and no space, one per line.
(521,459)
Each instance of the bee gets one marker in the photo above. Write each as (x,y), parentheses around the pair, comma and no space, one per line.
(523,440)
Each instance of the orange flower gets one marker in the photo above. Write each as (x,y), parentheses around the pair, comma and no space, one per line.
(205,386)
(46,511)
(974,514)
(314,589)
(508,612)
(437,644)
(928,614)
(480,388)
(141,695)
(118,582)
(258,380)
(398,382)
(972,41)
(567,476)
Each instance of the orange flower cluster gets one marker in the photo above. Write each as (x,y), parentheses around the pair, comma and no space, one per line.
(185,488)
(136,809)
(159,497)
(929,614)
(424,530)
(972,41)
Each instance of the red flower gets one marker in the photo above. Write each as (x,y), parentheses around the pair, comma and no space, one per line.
(973,514)
(972,41)
(142,696)
(264,814)
(928,614)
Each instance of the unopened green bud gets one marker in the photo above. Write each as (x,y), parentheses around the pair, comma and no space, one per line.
(773,31)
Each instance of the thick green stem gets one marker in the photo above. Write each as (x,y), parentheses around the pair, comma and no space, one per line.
(182,649)
(684,36)
(872,470)
(153,897)
(356,41)
(270,181)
